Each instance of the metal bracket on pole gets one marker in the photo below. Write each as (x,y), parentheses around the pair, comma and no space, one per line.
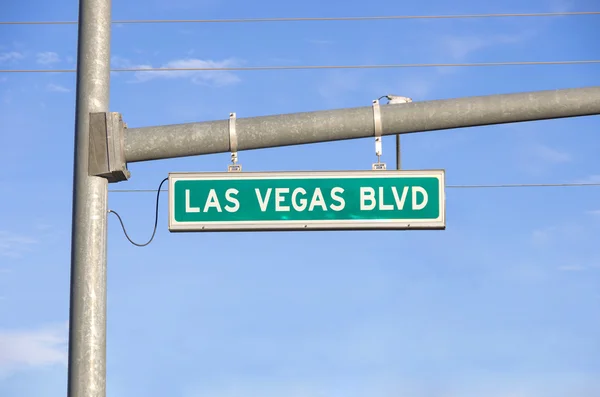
(233,145)
(378,131)
(107,147)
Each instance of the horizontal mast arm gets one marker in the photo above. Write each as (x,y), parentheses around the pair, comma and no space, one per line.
(180,140)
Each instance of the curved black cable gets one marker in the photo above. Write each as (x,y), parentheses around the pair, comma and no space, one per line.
(155,218)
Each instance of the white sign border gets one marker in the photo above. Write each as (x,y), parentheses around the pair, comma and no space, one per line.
(303,225)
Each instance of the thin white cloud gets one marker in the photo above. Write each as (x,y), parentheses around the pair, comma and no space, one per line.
(542,236)
(565,233)
(321,42)
(46,58)
(589,179)
(120,62)
(548,154)
(201,77)
(43,226)
(189,5)
(415,84)
(10,56)
(25,349)
(460,47)
(219,78)
(13,245)
(283,60)
(561,5)
(338,85)
(417,88)
(571,268)
(57,88)
(493,384)
(537,159)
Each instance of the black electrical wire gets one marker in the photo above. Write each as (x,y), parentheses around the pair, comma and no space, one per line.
(155,219)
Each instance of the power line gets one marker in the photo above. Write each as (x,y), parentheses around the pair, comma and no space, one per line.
(499,186)
(306,67)
(315,19)
(522,185)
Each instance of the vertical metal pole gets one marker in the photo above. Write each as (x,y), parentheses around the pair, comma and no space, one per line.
(398,163)
(87,314)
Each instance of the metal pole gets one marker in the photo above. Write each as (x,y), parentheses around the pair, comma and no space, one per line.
(87,315)
(398,163)
(170,141)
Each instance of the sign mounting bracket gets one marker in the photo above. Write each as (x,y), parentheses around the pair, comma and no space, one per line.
(378,132)
(233,145)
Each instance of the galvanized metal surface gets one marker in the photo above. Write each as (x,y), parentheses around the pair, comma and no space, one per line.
(87,325)
(180,140)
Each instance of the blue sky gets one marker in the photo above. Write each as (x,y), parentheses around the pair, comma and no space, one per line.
(503,303)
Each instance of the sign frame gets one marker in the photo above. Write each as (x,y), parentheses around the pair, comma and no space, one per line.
(308,225)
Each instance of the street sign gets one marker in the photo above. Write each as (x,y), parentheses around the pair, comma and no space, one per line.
(322,200)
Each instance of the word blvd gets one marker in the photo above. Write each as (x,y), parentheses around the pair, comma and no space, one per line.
(369,200)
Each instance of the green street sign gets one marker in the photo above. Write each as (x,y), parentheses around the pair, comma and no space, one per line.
(323,200)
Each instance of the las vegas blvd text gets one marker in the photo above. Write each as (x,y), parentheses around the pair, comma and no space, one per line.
(299,200)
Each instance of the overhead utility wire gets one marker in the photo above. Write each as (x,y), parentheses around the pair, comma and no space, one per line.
(315,19)
(159,190)
(305,67)
(507,185)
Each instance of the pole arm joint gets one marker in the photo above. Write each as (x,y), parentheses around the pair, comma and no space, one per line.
(107,147)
